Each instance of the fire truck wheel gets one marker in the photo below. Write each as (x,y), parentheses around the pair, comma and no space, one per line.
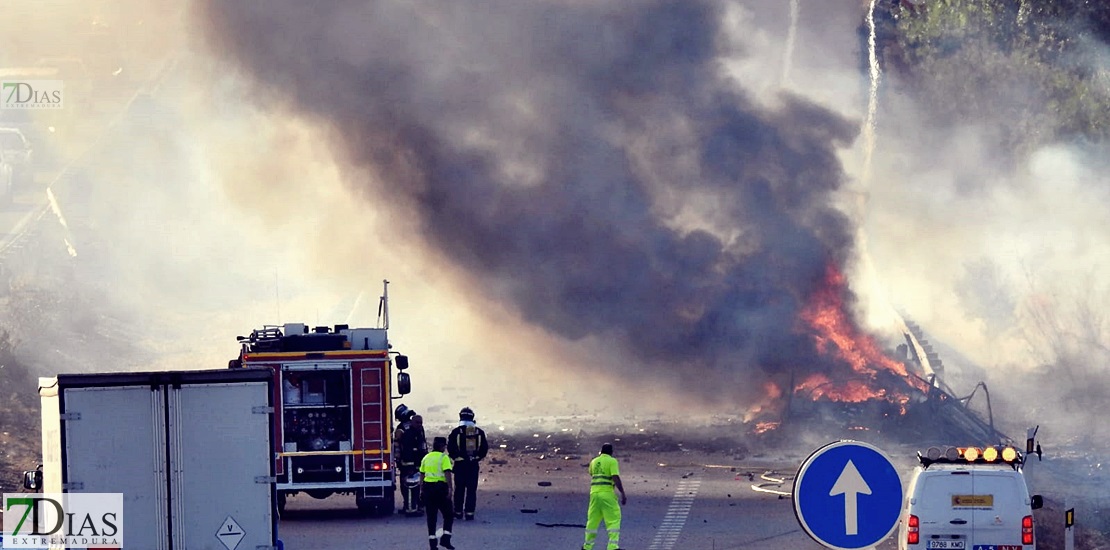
(281,502)
(385,506)
(376,506)
(366,506)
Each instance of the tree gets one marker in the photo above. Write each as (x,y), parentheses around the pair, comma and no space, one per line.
(1025,67)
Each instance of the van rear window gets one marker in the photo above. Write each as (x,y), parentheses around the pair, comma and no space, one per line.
(1002,488)
(936,490)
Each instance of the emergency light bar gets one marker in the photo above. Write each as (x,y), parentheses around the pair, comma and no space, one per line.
(971,455)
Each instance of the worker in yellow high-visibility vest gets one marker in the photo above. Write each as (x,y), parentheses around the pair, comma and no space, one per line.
(604,477)
(435,491)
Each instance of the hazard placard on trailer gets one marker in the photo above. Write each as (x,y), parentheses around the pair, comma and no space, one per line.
(230,534)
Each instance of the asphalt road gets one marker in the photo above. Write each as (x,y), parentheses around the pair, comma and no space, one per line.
(695,500)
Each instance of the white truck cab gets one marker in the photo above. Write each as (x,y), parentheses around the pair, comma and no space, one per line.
(968,499)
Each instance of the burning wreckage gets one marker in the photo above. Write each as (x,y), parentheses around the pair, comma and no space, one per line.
(912,404)
(858,391)
(855,389)
(863,389)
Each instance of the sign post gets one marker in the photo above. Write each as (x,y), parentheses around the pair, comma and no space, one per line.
(848,495)
(1069,528)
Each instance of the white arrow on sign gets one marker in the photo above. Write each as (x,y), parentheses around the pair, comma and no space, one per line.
(850,484)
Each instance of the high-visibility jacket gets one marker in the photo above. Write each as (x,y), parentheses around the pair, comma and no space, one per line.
(435,466)
(602,470)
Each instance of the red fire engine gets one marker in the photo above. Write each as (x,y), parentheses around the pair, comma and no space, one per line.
(333,408)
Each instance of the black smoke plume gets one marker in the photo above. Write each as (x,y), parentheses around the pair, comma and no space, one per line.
(590,161)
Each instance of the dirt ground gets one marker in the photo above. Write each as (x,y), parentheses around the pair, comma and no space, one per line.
(20,443)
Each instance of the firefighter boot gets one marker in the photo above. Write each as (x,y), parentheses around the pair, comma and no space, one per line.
(445,540)
(432,543)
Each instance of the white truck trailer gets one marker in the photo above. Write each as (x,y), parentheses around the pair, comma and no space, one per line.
(190,451)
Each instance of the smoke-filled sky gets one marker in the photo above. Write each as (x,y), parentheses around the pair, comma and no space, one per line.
(623,193)
(590,164)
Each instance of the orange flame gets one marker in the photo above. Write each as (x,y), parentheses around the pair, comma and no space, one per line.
(837,335)
(764,427)
(772,396)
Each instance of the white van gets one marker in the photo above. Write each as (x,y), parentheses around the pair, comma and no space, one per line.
(968,499)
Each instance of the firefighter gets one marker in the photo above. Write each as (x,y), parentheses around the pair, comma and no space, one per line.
(435,492)
(467,446)
(414,448)
(407,462)
(604,477)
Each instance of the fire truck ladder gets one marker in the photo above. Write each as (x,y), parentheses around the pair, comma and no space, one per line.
(372,428)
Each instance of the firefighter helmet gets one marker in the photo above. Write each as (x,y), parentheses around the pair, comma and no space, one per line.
(401,412)
(466,414)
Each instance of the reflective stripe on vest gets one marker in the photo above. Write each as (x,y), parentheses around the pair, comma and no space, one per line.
(433,467)
(602,471)
(602,480)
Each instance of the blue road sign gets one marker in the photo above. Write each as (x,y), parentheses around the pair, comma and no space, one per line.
(848,495)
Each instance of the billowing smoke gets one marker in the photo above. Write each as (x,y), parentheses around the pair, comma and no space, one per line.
(629,179)
(588,162)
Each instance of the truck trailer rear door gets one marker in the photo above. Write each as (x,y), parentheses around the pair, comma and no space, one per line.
(238,477)
(115,443)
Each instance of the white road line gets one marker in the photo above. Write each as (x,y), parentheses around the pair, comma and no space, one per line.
(675,518)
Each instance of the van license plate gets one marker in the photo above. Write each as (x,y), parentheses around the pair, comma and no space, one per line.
(946,544)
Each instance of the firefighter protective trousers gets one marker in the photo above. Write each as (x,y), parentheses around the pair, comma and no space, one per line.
(466,487)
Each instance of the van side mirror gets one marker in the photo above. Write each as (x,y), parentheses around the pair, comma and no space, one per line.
(404,385)
(1031,445)
(1036,502)
(32,479)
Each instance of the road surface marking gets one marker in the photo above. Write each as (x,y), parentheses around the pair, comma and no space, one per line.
(675,519)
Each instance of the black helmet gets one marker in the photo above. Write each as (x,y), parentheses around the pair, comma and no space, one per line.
(466,414)
(401,411)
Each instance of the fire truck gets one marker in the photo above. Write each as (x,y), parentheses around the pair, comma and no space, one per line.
(333,405)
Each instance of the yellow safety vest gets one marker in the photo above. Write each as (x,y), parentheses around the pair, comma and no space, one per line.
(434,466)
(602,470)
